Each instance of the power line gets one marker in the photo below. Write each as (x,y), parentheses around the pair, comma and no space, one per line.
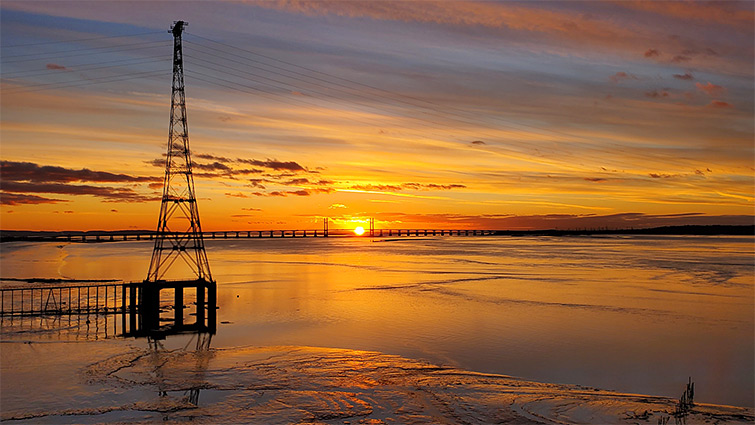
(109,79)
(435,123)
(278,98)
(299,102)
(84,48)
(139,46)
(434,127)
(355,94)
(394,96)
(80,39)
(309,105)
(311,77)
(291,71)
(223,70)
(275,96)
(71,68)
(350,93)
(398,97)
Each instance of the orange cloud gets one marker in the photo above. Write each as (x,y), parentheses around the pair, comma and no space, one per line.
(685,76)
(658,93)
(720,104)
(680,59)
(710,89)
(55,66)
(621,76)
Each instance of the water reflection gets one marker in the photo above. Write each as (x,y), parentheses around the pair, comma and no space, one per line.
(610,312)
(159,357)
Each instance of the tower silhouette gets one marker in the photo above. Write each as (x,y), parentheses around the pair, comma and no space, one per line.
(179,232)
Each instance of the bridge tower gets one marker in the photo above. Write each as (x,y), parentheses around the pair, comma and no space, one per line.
(179,232)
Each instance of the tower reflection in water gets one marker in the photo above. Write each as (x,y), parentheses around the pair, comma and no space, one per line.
(193,359)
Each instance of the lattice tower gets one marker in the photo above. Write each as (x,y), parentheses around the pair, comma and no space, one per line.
(179,232)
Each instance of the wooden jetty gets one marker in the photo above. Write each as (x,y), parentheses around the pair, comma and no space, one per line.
(144,308)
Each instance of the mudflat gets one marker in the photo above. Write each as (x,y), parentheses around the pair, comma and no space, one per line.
(287,384)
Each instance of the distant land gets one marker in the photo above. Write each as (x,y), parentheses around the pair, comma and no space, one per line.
(691,230)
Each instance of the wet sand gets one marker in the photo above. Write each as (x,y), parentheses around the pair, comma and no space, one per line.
(277,385)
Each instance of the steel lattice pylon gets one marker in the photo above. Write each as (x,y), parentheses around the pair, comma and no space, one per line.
(179,233)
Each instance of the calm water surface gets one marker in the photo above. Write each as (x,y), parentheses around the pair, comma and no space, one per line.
(636,314)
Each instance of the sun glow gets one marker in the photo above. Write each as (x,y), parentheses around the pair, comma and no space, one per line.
(359,230)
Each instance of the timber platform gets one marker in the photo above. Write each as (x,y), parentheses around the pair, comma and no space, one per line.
(144,308)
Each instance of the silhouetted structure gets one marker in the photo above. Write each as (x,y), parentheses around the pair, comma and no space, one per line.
(100,301)
(179,232)
(686,402)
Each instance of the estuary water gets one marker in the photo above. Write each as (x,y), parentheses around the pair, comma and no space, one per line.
(636,314)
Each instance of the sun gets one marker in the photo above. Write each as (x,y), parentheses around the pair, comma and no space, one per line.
(359,230)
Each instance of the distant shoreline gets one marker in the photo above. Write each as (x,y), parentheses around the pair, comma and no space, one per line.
(688,230)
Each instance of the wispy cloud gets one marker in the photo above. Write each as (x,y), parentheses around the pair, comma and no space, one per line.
(22,178)
(622,76)
(404,195)
(720,104)
(710,89)
(108,193)
(27,171)
(274,164)
(25,199)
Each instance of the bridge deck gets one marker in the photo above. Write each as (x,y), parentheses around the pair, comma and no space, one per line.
(237,234)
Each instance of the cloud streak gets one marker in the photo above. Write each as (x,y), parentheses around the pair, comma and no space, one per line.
(19,179)
(110,194)
(25,199)
(28,171)
(710,89)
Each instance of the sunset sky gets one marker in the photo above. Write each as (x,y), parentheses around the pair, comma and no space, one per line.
(495,115)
